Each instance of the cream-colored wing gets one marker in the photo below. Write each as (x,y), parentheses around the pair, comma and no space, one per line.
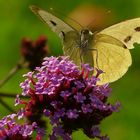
(114,60)
(128,32)
(56,24)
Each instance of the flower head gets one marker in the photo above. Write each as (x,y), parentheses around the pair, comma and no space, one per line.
(34,51)
(11,130)
(70,97)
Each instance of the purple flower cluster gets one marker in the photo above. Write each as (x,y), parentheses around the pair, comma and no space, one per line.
(11,130)
(70,97)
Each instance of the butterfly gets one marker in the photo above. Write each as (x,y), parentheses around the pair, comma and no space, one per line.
(107,49)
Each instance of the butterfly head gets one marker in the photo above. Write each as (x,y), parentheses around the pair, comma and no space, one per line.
(85,37)
(86,32)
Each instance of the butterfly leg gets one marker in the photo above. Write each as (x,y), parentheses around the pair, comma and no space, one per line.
(81,57)
(96,56)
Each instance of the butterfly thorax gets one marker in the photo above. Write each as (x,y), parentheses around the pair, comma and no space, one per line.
(86,37)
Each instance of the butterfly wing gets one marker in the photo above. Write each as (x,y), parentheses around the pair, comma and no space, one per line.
(114,60)
(56,24)
(70,37)
(128,32)
(112,44)
(71,46)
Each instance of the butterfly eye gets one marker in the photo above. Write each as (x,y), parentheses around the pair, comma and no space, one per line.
(85,31)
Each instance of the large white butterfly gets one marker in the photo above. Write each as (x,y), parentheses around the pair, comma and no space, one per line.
(112,44)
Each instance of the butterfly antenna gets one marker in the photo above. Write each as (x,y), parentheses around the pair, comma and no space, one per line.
(67,17)
(81,58)
(106,13)
(89,25)
(75,22)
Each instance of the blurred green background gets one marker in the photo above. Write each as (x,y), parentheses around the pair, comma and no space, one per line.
(17,21)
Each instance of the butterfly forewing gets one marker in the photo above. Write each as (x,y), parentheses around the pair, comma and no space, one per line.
(108,39)
(70,37)
(128,32)
(56,24)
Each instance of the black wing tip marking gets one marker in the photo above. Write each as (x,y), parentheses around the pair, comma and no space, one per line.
(34,8)
(137,29)
(127,39)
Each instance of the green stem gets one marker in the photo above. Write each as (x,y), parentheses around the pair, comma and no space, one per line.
(12,72)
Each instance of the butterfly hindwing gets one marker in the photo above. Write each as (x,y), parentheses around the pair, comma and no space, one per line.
(113,60)
(71,48)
